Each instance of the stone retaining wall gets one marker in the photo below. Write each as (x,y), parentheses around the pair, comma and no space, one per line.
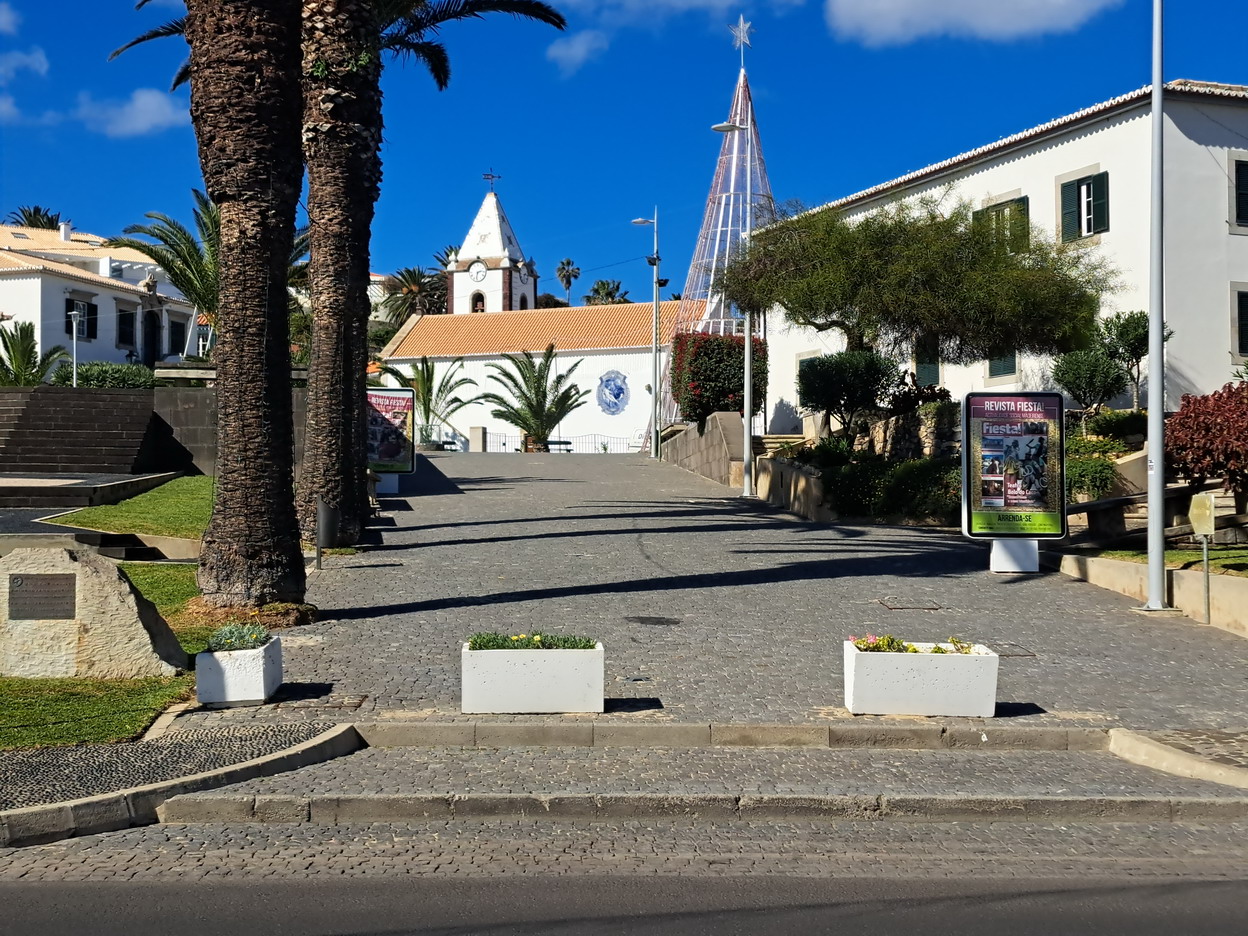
(794,488)
(715,454)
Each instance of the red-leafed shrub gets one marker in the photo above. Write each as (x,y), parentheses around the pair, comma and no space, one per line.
(1208,437)
(708,375)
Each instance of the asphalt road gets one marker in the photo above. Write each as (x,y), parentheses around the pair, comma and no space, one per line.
(634,905)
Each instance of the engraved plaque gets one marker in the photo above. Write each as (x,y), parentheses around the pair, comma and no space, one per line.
(47,597)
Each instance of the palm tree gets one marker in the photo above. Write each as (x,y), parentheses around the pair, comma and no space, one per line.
(606,292)
(539,401)
(21,364)
(566,273)
(413,291)
(250,156)
(342,137)
(436,400)
(33,216)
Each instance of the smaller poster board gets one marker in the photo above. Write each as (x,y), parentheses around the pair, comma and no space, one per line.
(391,428)
(1013,466)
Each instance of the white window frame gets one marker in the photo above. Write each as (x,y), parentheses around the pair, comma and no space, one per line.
(80,323)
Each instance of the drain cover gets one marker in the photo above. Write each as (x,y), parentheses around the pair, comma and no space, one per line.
(909,604)
(653,621)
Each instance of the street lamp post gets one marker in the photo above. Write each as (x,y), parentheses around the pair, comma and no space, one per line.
(654,337)
(747,455)
(73,319)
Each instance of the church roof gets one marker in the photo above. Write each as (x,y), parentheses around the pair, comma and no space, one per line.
(491,236)
(578,328)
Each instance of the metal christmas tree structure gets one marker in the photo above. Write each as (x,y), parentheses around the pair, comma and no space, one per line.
(740,199)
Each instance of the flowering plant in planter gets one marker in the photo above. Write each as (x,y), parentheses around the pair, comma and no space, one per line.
(242,666)
(890,644)
(488,640)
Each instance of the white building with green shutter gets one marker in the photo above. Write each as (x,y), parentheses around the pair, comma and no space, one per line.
(1086,177)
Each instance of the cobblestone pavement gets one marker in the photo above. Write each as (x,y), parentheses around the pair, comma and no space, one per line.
(52,774)
(692,771)
(1223,747)
(714,609)
(953,851)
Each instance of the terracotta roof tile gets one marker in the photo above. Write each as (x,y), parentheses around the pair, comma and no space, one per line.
(48,240)
(579,328)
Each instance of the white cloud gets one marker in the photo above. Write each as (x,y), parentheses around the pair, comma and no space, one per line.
(13,62)
(9,20)
(147,111)
(9,114)
(649,10)
(894,22)
(571,52)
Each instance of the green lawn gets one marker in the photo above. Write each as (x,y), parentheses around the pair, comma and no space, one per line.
(36,712)
(1226,560)
(180,507)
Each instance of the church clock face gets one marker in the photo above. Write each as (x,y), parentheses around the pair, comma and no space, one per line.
(476,272)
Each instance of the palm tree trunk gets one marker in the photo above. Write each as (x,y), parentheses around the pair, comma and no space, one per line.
(245,111)
(341,134)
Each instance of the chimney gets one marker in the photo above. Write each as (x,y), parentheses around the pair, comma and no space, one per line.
(66,229)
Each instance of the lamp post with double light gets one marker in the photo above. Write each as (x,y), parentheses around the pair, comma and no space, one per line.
(747,455)
(654,337)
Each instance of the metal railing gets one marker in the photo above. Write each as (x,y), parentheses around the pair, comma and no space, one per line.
(591,444)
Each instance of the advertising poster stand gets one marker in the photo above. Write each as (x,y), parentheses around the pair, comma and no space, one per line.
(391,436)
(1013,474)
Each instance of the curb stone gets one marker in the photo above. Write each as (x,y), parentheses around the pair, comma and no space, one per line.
(368,808)
(1140,749)
(108,812)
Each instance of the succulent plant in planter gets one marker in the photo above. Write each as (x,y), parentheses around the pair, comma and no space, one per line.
(242,666)
(530,674)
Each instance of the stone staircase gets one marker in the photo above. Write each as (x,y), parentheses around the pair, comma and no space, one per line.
(57,430)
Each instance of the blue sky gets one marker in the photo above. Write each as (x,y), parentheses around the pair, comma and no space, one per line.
(595,126)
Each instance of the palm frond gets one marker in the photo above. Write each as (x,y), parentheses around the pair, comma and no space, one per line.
(175,27)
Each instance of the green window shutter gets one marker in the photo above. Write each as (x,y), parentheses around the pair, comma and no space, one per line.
(927,363)
(1019,213)
(1241,193)
(1070,212)
(93,320)
(1243,324)
(1004,366)
(1100,202)
(980,216)
(69,322)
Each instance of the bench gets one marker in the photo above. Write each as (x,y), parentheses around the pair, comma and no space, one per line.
(1107,518)
(559,445)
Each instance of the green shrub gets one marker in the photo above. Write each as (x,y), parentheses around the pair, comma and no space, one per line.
(708,375)
(911,397)
(1079,447)
(1090,376)
(1208,437)
(854,488)
(105,375)
(846,386)
(1119,424)
(922,489)
(1094,477)
(238,637)
(493,641)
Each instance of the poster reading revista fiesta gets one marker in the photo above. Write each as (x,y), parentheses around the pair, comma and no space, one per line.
(1012,466)
(391,428)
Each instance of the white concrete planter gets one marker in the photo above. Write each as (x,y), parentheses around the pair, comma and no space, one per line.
(498,682)
(921,683)
(238,677)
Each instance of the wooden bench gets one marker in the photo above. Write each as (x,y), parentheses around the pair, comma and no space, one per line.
(1107,518)
(559,445)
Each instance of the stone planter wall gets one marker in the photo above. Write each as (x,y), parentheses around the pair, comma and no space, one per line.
(950,684)
(715,454)
(501,682)
(923,433)
(794,488)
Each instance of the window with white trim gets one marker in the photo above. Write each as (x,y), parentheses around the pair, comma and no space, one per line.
(1085,207)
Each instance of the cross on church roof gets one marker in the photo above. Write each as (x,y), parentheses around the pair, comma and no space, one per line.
(490,177)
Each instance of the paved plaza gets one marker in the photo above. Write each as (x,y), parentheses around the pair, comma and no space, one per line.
(713,608)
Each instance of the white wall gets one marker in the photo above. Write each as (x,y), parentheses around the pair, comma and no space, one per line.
(588,420)
(1203,258)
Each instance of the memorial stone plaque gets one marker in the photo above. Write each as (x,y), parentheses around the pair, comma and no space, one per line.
(42,597)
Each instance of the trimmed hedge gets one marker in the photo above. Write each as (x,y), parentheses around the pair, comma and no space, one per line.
(708,375)
(1119,424)
(105,375)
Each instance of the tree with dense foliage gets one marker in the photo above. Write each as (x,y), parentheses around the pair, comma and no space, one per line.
(34,216)
(436,400)
(1090,376)
(1125,339)
(245,100)
(537,399)
(847,386)
(1208,438)
(342,127)
(21,364)
(708,375)
(566,273)
(606,292)
(549,301)
(911,269)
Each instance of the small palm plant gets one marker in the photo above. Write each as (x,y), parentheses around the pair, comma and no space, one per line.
(539,400)
(436,401)
(21,364)
(413,291)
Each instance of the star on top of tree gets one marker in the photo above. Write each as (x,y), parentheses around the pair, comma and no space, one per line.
(741,33)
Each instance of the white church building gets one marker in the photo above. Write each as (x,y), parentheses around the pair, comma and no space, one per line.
(491,298)
(1086,178)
